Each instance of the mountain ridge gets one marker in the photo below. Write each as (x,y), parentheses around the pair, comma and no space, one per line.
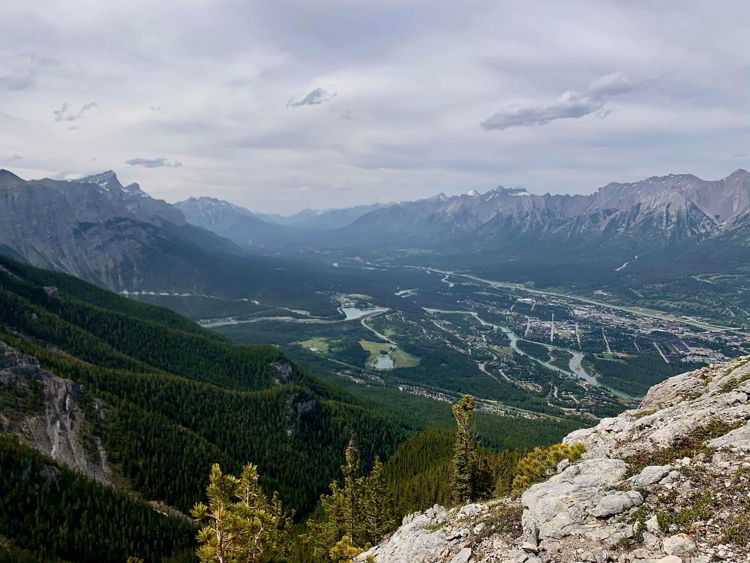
(679,206)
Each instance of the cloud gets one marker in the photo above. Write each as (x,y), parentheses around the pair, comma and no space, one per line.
(20,70)
(314,98)
(64,114)
(414,75)
(612,84)
(153,163)
(569,105)
(21,81)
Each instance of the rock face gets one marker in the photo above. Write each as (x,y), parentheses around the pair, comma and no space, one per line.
(228,220)
(99,230)
(657,210)
(668,482)
(49,416)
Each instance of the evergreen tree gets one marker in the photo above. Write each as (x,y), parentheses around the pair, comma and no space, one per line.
(378,506)
(465,464)
(355,515)
(240,524)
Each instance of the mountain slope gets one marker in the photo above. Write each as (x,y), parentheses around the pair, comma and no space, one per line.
(120,238)
(235,223)
(97,229)
(137,396)
(325,220)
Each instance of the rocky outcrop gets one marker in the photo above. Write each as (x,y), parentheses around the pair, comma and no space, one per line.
(99,230)
(45,411)
(668,482)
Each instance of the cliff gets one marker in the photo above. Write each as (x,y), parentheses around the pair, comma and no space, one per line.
(47,413)
(668,482)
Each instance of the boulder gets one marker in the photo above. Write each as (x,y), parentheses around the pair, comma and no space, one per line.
(650,475)
(617,503)
(678,544)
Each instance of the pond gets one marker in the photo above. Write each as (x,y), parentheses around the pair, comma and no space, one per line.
(354,313)
(384,361)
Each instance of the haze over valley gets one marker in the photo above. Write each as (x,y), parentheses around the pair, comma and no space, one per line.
(394,282)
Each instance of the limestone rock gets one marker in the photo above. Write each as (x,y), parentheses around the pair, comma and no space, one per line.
(586,510)
(650,475)
(617,503)
(678,544)
(738,439)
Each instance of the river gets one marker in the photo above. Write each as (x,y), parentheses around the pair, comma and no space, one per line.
(575,366)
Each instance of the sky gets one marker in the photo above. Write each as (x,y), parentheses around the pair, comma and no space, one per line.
(289,104)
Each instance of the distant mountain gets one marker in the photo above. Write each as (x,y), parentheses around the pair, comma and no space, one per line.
(658,210)
(249,229)
(121,238)
(325,220)
(231,221)
(99,230)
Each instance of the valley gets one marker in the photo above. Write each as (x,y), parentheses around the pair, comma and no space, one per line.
(521,351)
(296,341)
(374,282)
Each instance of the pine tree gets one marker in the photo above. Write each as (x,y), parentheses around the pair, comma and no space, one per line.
(351,492)
(240,524)
(465,466)
(378,511)
(355,515)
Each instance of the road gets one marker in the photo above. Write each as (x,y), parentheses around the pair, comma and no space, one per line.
(634,310)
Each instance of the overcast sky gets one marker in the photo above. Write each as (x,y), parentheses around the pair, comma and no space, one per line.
(278,105)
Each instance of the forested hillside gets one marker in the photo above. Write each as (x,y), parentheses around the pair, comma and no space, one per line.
(165,399)
(98,387)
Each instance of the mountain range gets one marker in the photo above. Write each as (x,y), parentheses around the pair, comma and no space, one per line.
(660,210)
(624,237)
(656,211)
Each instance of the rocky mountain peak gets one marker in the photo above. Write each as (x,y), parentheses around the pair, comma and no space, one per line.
(507,192)
(7,178)
(135,189)
(668,482)
(740,175)
(107,180)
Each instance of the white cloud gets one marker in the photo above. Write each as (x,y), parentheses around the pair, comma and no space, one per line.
(417,76)
(65,113)
(153,163)
(568,105)
(314,98)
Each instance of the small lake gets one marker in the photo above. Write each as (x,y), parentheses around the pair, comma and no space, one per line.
(384,362)
(354,313)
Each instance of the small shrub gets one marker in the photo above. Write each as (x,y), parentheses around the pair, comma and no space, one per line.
(639,524)
(504,520)
(540,463)
(739,534)
(647,412)
(734,383)
(686,446)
